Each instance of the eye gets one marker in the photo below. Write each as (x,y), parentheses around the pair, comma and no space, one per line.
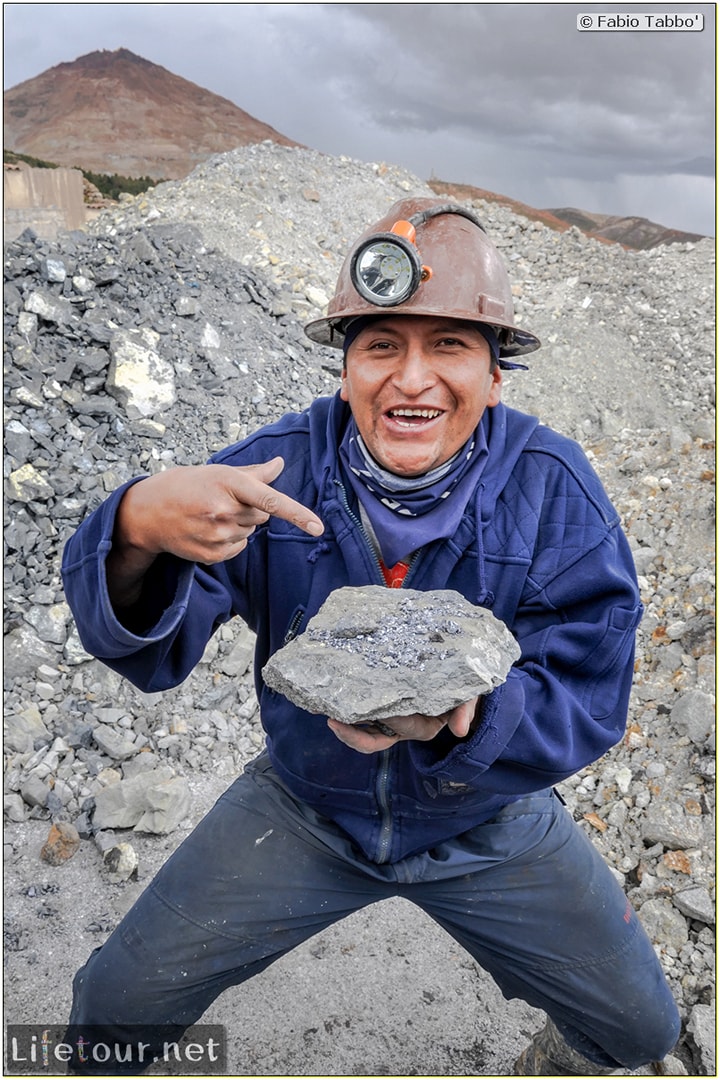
(379,345)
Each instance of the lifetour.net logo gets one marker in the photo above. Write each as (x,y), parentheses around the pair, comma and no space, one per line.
(54,1049)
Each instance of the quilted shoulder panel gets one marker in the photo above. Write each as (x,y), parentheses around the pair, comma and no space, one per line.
(552,509)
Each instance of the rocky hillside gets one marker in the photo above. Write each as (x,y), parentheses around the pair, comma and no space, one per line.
(114,112)
(173,326)
(636,233)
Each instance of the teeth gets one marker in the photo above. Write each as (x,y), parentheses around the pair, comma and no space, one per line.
(427,414)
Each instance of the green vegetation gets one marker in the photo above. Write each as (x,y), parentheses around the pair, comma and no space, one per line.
(10,157)
(111,186)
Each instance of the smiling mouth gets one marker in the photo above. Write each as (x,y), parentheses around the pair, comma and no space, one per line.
(414,417)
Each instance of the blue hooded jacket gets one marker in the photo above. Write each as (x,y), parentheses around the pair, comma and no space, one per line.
(539,544)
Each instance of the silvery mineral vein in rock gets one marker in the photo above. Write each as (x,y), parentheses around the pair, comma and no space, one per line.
(371,653)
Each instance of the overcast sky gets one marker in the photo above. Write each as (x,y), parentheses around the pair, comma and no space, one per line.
(509,97)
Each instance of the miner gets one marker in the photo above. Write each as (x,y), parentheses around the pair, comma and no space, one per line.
(413,475)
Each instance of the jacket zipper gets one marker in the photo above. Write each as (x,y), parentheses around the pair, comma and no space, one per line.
(361,529)
(382,783)
(294,624)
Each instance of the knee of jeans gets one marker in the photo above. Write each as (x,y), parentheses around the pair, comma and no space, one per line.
(660,1034)
(107,989)
(91,990)
(671,1038)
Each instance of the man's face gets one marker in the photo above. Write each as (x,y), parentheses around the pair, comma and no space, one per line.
(417,386)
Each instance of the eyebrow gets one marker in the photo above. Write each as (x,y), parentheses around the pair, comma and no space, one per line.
(385,328)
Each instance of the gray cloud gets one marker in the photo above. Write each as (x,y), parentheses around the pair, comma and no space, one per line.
(524,73)
(509,97)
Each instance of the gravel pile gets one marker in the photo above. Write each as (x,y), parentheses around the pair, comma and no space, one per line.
(200,288)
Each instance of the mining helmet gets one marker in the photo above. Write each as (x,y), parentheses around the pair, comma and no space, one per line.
(425,257)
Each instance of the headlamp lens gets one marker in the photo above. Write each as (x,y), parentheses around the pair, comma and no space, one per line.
(386,271)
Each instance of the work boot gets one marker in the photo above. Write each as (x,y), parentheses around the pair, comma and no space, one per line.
(550,1055)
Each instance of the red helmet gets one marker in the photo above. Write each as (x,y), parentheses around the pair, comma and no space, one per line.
(461,276)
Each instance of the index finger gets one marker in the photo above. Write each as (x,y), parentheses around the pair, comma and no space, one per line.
(253,492)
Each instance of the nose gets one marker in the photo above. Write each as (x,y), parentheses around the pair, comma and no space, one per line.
(413,374)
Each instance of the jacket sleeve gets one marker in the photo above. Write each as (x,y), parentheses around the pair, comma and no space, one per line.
(565,701)
(164,645)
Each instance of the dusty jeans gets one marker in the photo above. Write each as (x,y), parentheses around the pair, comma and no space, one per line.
(526,894)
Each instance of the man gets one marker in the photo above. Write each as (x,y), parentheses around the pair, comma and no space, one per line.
(414,474)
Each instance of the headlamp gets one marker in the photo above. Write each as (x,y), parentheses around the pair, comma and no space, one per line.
(386,268)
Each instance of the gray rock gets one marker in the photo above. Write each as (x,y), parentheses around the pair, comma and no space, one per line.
(24,652)
(50,622)
(702,1028)
(54,270)
(105,841)
(169,803)
(187,306)
(673,1066)
(141,763)
(114,743)
(372,653)
(54,309)
(14,807)
(237,662)
(665,926)
(154,802)
(669,825)
(18,440)
(74,653)
(22,729)
(82,285)
(35,791)
(694,715)
(697,904)
(110,716)
(27,323)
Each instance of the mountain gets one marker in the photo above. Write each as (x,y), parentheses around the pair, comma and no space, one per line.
(114,112)
(637,233)
(634,232)
(468,191)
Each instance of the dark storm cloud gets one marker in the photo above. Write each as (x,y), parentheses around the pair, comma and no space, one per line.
(523,73)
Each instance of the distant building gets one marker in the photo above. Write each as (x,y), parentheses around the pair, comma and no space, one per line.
(43,199)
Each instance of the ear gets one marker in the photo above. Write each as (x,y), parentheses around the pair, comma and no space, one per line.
(496,387)
(343,385)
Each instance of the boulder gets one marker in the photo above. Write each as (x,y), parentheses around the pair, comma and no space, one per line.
(153,802)
(372,653)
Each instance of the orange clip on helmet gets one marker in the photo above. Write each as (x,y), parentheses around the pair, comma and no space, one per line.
(461,274)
